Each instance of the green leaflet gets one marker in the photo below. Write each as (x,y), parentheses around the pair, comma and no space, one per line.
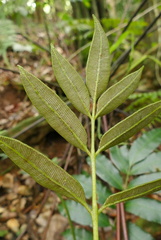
(144,145)
(145,208)
(80,215)
(43,170)
(54,110)
(107,172)
(144,179)
(98,64)
(118,93)
(132,193)
(80,233)
(136,233)
(128,127)
(71,82)
(150,164)
(120,161)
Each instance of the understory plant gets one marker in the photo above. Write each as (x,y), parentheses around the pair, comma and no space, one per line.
(94,99)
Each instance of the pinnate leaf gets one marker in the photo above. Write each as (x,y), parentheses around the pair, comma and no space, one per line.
(80,234)
(43,170)
(151,164)
(128,127)
(54,110)
(144,145)
(107,172)
(148,209)
(118,93)
(119,159)
(71,82)
(144,179)
(98,63)
(136,233)
(133,193)
(81,216)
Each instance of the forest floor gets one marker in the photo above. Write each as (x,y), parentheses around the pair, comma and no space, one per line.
(27,210)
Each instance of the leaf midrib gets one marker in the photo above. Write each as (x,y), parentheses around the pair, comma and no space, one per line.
(40,171)
(123,90)
(59,116)
(101,149)
(99,63)
(75,88)
(154,189)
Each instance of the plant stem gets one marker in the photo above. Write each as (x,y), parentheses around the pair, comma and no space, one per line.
(118,222)
(123,220)
(93,169)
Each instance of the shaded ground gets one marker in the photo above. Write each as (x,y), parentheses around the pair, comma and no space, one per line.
(25,206)
(27,210)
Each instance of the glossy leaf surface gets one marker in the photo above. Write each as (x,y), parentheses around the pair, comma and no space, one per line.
(128,127)
(71,82)
(137,233)
(54,110)
(98,63)
(148,209)
(43,170)
(144,145)
(118,93)
(132,193)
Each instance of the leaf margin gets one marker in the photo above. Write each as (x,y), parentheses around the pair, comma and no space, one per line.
(116,198)
(4,142)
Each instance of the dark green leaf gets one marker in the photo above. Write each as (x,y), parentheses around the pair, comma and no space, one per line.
(117,94)
(43,170)
(136,233)
(119,160)
(80,215)
(81,234)
(144,145)
(148,209)
(98,64)
(132,193)
(145,179)
(71,82)
(103,220)
(102,191)
(55,111)
(86,183)
(107,172)
(151,164)
(128,127)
